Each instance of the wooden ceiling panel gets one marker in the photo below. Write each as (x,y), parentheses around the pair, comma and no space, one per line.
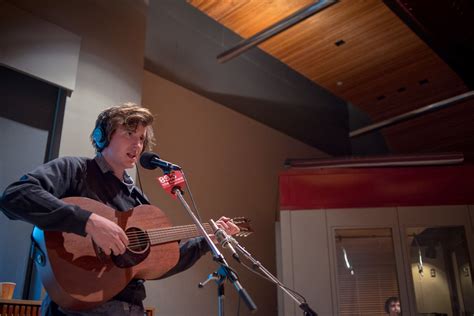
(401,89)
(247,17)
(450,129)
(383,67)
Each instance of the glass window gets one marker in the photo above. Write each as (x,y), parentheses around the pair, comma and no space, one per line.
(441,270)
(366,270)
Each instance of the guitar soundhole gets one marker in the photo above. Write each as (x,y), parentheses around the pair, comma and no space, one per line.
(138,240)
(137,251)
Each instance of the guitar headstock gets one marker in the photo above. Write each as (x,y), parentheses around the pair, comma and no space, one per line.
(244,224)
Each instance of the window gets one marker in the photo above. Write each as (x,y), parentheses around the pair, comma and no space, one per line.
(366,270)
(441,270)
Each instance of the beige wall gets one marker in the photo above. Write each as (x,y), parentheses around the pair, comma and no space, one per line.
(110,66)
(232,163)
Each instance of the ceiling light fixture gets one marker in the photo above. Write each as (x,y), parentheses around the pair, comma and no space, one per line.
(423,82)
(413,114)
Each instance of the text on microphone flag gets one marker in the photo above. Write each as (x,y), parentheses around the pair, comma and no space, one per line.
(171,181)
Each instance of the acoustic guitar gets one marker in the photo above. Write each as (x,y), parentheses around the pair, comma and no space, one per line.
(78,275)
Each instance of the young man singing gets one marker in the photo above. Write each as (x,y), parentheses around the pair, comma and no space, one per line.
(120,135)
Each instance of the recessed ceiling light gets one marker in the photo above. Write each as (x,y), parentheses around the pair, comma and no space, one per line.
(339,83)
(423,82)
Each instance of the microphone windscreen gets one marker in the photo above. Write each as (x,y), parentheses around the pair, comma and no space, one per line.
(146,160)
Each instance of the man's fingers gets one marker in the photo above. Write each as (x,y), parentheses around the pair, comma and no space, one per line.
(106,250)
(122,248)
(226,224)
(115,249)
(233,229)
(118,249)
(108,236)
(123,237)
(223,225)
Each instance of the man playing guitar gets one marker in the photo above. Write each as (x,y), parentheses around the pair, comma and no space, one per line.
(120,135)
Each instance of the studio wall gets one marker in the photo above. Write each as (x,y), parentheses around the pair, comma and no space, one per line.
(232,163)
(110,65)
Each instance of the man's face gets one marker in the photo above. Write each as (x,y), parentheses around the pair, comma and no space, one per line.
(125,148)
(394,308)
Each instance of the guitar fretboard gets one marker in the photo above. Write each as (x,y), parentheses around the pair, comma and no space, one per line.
(163,235)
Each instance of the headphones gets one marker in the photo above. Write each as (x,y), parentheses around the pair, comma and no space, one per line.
(99,135)
(100,140)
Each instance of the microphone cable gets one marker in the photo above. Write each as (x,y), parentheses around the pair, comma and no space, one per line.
(139,179)
(140,182)
(193,202)
(276,281)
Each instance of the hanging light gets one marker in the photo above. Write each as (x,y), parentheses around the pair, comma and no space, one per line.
(420,262)
(346,259)
(420,257)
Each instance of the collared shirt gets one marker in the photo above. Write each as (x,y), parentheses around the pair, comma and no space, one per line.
(126,179)
(36,198)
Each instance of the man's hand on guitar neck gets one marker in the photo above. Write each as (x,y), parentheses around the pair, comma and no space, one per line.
(227,225)
(107,235)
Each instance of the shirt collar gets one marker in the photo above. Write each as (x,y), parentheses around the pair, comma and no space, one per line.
(102,163)
(105,167)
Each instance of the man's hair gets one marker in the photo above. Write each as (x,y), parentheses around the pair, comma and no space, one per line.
(127,115)
(389,301)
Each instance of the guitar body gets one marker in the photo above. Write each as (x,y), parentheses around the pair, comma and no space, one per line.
(78,276)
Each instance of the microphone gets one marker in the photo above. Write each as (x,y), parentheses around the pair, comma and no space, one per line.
(149,160)
(224,239)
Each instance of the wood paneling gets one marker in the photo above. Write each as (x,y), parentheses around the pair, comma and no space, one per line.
(383,68)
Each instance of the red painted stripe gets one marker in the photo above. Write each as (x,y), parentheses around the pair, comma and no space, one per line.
(376,187)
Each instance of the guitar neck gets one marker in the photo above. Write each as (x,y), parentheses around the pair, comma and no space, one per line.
(163,235)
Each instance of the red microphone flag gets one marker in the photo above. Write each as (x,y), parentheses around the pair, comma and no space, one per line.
(172,181)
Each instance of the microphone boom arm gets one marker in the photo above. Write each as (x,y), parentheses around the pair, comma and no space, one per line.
(217,256)
(256,264)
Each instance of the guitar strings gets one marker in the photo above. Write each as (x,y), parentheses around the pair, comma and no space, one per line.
(165,231)
(135,235)
(140,238)
(170,230)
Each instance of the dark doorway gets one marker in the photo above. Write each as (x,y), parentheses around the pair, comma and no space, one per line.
(31,116)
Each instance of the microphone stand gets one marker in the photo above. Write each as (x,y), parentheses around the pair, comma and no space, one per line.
(224,272)
(307,311)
